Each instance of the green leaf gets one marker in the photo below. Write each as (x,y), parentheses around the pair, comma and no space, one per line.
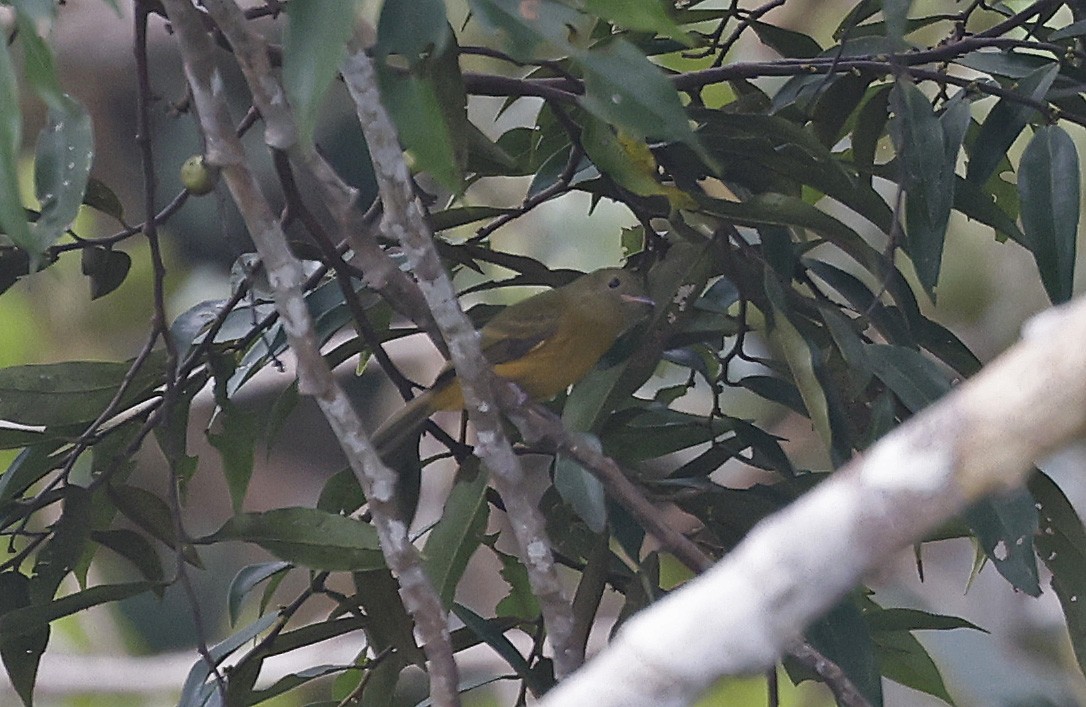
(313,47)
(236,444)
(914,378)
(100,197)
(1004,122)
(581,490)
(525,26)
(624,88)
(1048,181)
(58,394)
(194,690)
(521,603)
(307,537)
(20,654)
(133,547)
(31,464)
(843,637)
(903,659)
(492,635)
(150,513)
(389,623)
(786,42)
(1005,527)
(61,169)
(457,534)
(928,147)
(12,215)
(106,268)
(30,619)
(1061,545)
(644,16)
(246,580)
(412,28)
(63,550)
(897,619)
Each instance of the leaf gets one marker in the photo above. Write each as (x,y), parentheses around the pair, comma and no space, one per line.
(521,603)
(100,197)
(928,149)
(31,465)
(106,268)
(150,513)
(236,444)
(624,88)
(903,659)
(246,580)
(20,654)
(645,16)
(493,636)
(307,537)
(61,169)
(457,534)
(843,637)
(133,547)
(57,394)
(12,215)
(914,378)
(412,28)
(1005,527)
(581,490)
(1004,122)
(61,553)
(27,620)
(313,46)
(1061,545)
(526,26)
(193,691)
(897,619)
(1048,181)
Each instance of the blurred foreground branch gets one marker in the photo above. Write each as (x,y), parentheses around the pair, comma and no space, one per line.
(739,617)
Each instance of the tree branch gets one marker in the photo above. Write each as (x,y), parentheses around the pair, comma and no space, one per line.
(405,219)
(285,275)
(982,438)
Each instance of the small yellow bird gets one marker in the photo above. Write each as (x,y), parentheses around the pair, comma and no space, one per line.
(544,344)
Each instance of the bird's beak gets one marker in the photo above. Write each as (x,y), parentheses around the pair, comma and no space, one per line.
(638,299)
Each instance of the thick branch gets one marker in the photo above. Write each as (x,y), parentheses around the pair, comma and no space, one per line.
(983,438)
(404,218)
(285,275)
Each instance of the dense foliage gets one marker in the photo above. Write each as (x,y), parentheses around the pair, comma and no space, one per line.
(790,212)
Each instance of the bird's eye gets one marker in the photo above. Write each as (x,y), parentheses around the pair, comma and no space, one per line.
(615,282)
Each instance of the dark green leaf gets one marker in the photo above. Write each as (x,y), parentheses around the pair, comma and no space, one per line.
(493,636)
(647,16)
(150,513)
(463,215)
(581,490)
(133,547)
(307,537)
(928,149)
(411,28)
(313,46)
(389,623)
(457,535)
(29,466)
(520,603)
(20,654)
(896,619)
(61,169)
(1048,181)
(903,659)
(1061,545)
(236,444)
(106,268)
(341,493)
(843,637)
(624,88)
(913,377)
(57,394)
(525,27)
(1005,527)
(62,551)
(30,619)
(99,196)
(777,390)
(786,42)
(12,215)
(294,680)
(246,580)
(1004,122)
(194,690)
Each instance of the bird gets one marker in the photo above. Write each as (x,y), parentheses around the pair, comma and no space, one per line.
(543,344)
